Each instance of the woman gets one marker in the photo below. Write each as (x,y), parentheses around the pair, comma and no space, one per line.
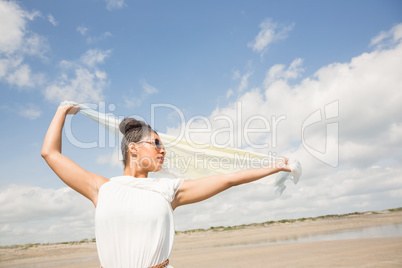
(134,222)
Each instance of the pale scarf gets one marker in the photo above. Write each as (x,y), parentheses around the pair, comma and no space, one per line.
(225,160)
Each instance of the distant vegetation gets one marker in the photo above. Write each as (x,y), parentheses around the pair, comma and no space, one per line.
(263,224)
(31,245)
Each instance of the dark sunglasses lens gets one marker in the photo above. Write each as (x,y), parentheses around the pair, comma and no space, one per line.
(158,144)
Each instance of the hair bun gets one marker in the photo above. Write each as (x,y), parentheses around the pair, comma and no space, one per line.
(129,124)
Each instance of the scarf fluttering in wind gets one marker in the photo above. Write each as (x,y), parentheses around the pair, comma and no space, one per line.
(189,160)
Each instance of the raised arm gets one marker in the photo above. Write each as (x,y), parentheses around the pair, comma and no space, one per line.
(193,191)
(82,181)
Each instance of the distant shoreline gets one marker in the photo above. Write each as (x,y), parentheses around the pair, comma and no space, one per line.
(264,224)
(218,228)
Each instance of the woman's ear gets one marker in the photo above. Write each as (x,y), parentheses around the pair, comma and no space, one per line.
(132,149)
(132,156)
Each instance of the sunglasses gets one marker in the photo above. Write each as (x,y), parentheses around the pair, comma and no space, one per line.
(156,142)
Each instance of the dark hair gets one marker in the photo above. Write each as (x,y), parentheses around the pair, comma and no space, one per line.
(133,130)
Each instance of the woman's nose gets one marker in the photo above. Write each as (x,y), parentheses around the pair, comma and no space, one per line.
(163,151)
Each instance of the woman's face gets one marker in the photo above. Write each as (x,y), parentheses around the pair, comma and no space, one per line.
(150,153)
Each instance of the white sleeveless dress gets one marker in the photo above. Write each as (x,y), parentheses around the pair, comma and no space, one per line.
(134,224)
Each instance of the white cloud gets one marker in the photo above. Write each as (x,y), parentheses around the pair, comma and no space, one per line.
(103,36)
(392,36)
(94,57)
(12,27)
(23,77)
(30,111)
(363,120)
(131,102)
(115,4)
(92,39)
(148,89)
(229,93)
(85,86)
(52,20)
(13,33)
(244,82)
(112,159)
(34,214)
(80,80)
(16,42)
(236,75)
(35,45)
(270,33)
(82,30)
(278,72)
(32,15)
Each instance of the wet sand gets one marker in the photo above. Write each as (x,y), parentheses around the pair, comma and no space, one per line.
(248,247)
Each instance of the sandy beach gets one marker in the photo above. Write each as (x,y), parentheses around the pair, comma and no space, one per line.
(259,245)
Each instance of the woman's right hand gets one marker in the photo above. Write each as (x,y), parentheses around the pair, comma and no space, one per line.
(70,109)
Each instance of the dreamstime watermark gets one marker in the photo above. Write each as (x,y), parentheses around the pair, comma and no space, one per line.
(220,131)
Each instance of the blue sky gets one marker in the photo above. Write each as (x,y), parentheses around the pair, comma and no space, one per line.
(275,57)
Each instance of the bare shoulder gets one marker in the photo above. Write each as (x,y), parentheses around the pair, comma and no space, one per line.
(100,180)
(193,191)
(184,185)
(176,201)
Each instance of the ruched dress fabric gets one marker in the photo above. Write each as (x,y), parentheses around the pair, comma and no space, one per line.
(134,224)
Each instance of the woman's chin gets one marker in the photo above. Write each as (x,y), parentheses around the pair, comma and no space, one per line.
(157,168)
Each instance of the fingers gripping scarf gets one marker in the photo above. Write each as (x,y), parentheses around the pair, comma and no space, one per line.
(185,158)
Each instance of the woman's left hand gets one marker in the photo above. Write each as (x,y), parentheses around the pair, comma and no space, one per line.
(282,163)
